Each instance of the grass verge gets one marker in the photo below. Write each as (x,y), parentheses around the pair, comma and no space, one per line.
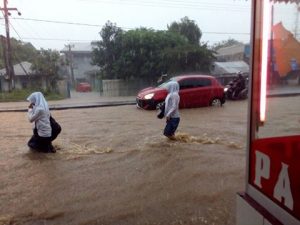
(21,95)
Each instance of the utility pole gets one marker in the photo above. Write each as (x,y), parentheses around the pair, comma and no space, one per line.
(70,57)
(3,43)
(8,53)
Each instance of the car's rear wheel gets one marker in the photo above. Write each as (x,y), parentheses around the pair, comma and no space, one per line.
(216,102)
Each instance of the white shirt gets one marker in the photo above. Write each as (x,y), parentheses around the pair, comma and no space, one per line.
(40,114)
(41,119)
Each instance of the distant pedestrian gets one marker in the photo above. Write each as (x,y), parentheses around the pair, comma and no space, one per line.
(39,115)
(172,110)
(162,79)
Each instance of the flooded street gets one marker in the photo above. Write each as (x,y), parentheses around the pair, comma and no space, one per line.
(113,166)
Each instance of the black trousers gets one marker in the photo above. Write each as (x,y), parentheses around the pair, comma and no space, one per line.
(41,144)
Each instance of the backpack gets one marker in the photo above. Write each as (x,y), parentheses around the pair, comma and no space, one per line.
(56,128)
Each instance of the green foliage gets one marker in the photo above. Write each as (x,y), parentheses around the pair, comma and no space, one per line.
(44,62)
(107,51)
(146,53)
(21,95)
(142,53)
(188,58)
(21,51)
(47,63)
(187,28)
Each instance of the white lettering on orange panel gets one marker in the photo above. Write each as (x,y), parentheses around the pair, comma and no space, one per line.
(282,188)
(262,168)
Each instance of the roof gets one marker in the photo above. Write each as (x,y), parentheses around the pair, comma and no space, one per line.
(20,69)
(231,50)
(83,47)
(231,67)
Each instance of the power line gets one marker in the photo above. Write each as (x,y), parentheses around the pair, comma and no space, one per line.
(27,28)
(174,4)
(81,40)
(125,28)
(65,22)
(193,7)
(58,22)
(16,57)
(94,25)
(55,39)
(8,52)
(15,31)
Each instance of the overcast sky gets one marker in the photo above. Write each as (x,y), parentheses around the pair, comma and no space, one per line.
(81,20)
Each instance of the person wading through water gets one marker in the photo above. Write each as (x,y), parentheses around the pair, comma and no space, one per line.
(172,110)
(39,115)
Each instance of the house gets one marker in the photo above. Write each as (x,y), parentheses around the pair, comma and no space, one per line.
(226,71)
(79,56)
(222,68)
(24,77)
(238,52)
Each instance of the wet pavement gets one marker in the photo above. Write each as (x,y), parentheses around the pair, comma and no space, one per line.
(93,99)
(77,100)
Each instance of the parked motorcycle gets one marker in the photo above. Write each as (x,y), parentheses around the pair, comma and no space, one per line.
(237,89)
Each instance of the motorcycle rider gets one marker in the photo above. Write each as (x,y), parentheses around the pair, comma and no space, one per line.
(239,84)
(235,87)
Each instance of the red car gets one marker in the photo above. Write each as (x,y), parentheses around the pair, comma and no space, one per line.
(83,87)
(195,91)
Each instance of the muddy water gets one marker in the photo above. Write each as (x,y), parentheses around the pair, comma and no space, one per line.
(113,166)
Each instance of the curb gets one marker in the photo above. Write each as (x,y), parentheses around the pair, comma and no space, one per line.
(111,104)
(65,107)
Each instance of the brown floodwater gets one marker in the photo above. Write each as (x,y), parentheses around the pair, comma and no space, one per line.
(114,167)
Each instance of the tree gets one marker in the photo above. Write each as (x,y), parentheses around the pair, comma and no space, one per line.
(107,51)
(147,54)
(188,58)
(225,43)
(21,51)
(47,63)
(187,28)
(142,53)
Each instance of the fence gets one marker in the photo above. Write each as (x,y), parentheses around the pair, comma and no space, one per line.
(124,87)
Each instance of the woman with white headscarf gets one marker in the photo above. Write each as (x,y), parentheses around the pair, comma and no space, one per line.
(172,110)
(39,115)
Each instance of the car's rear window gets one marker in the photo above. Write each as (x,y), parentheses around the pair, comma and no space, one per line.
(194,83)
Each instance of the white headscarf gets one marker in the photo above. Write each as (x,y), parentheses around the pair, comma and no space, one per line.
(37,98)
(173,87)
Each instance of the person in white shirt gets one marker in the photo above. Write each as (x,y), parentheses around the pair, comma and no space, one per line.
(39,115)
(172,110)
